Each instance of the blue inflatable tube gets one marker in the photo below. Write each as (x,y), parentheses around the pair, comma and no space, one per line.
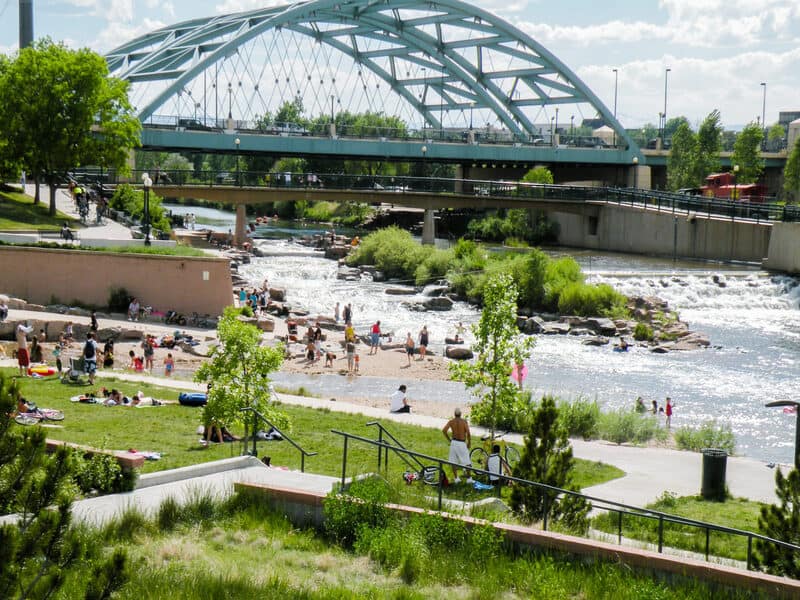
(192,398)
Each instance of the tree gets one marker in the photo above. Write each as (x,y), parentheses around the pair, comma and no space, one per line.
(681,158)
(238,374)
(538,174)
(776,133)
(547,458)
(781,523)
(791,173)
(672,125)
(709,146)
(38,550)
(59,109)
(747,154)
(498,346)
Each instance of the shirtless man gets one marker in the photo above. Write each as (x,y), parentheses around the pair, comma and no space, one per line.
(457,433)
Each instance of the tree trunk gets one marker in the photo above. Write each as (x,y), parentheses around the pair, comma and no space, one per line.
(36,196)
(53,190)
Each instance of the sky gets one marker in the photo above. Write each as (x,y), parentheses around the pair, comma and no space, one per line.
(718,51)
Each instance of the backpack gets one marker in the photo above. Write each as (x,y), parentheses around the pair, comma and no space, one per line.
(88,350)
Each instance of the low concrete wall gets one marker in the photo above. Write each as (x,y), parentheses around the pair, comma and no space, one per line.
(627,229)
(185,284)
(106,243)
(304,508)
(784,248)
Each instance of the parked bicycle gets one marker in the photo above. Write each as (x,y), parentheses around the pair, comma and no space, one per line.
(480,454)
(203,321)
(37,415)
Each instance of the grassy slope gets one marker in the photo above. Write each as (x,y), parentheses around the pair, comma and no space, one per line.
(17,212)
(171,430)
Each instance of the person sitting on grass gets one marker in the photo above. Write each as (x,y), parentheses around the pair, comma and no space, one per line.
(66,233)
(497,465)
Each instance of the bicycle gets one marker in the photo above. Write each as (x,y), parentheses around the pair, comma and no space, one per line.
(480,454)
(38,415)
(196,320)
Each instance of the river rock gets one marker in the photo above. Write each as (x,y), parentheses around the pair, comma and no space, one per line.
(77,311)
(371,269)
(601,325)
(131,334)
(265,324)
(277,294)
(534,325)
(336,252)
(555,328)
(661,348)
(400,291)
(348,273)
(580,331)
(438,303)
(458,352)
(435,290)
(14,303)
(676,329)
(379,276)
(595,340)
(35,307)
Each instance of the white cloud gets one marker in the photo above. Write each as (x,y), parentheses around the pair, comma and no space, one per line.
(234,6)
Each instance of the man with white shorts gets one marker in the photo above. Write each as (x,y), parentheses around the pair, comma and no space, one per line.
(457,433)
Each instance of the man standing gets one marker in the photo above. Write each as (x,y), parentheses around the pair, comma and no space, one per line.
(23,360)
(375,337)
(457,433)
(90,357)
(348,313)
(399,402)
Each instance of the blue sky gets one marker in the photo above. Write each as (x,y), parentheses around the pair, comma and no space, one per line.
(719,51)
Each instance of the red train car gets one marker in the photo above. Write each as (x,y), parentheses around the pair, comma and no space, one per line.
(723,185)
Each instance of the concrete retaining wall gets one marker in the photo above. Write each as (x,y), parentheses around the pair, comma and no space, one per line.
(304,508)
(627,229)
(185,284)
(784,248)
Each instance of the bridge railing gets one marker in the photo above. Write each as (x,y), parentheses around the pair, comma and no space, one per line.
(661,201)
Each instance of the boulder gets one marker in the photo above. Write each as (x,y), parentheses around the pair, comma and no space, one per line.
(79,312)
(371,269)
(57,308)
(521,320)
(35,307)
(277,294)
(555,328)
(601,325)
(378,276)
(534,325)
(348,273)
(398,291)
(131,334)
(435,290)
(438,303)
(580,331)
(15,303)
(595,340)
(458,352)
(661,348)
(105,333)
(266,324)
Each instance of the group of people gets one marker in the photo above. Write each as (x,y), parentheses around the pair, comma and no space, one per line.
(662,411)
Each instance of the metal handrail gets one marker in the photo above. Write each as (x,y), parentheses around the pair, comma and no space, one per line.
(609,505)
(414,463)
(257,415)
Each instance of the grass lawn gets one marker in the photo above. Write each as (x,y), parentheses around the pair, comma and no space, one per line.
(736,513)
(178,250)
(17,212)
(171,430)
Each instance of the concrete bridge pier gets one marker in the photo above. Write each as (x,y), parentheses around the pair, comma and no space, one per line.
(428,227)
(240,234)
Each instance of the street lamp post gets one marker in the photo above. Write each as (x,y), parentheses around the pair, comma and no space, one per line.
(552,137)
(764,114)
(230,101)
(424,150)
(735,182)
(796,406)
(635,172)
(332,98)
(616,80)
(572,125)
(147,183)
(666,77)
(237,141)
(471,107)
(556,125)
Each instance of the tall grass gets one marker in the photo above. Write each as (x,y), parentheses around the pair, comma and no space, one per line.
(709,435)
(624,426)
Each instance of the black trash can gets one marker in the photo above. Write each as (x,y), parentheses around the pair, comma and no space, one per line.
(714,464)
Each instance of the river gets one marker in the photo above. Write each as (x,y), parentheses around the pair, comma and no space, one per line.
(750,316)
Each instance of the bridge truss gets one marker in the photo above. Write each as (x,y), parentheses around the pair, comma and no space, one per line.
(443,64)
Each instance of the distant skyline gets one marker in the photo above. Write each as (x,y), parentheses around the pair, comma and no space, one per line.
(718,51)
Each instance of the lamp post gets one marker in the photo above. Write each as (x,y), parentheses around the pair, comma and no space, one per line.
(666,78)
(796,406)
(230,101)
(735,182)
(196,106)
(764,115)
(635,172)
(572,125)
(424,150)
(556,125)
(237,141)
(471,107)
(552,137)
(616,80)
(147,183)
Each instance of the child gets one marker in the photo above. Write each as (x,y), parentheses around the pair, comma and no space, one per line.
(57,356)
(68,335)
(356,361)
(329,358)
(169,364)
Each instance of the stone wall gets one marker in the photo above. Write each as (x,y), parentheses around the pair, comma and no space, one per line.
(185,284)
(784,248)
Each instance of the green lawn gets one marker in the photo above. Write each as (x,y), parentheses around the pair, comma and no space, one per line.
(17,212)
(736,513)
(171,430)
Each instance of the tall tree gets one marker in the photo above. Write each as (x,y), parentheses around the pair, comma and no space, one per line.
(672,126)
(709,146)
(239,372)
(498,346)
(791,173)
(59,109)
(680,161)
(747,153)
(547,458)
(781,523)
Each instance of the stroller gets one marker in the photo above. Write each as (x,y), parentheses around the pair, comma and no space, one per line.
(73,375)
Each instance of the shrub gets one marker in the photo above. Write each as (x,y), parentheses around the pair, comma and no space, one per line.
(119,299)
(101,473)
(581,417)
(434,267)
(391,250)
(246,311)
(623,426)
(643,332)
(710,435)
(363,508)
(587,300)
(129,199)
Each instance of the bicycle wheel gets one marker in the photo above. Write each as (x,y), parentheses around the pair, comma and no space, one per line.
(26,420)
(52,415)
(478,457)
(512,456)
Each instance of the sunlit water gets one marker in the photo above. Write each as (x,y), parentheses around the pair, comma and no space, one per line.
(751,318)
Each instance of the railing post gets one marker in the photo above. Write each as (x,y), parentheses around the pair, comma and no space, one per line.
(302,462)
(344,461)
(749,551)
(708,539)
(544,512)
(441,484)
(380,448)
(255,428)
(619,527)
(660,533)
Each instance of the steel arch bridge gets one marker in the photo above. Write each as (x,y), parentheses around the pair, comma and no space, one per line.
(443,64)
